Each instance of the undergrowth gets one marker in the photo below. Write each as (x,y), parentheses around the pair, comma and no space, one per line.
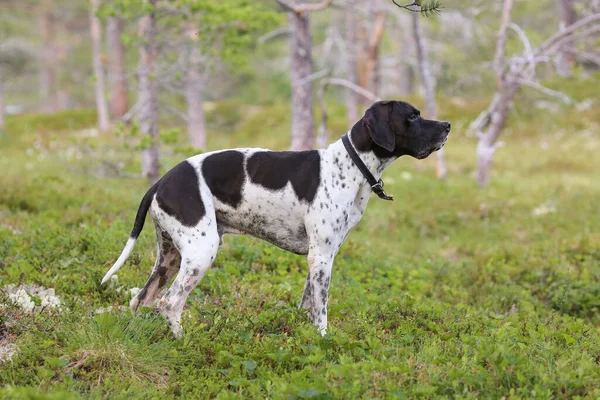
(448,292)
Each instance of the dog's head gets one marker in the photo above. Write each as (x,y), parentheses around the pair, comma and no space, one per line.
(395,128)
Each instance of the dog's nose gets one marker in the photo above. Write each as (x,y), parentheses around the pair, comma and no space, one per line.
(446,125)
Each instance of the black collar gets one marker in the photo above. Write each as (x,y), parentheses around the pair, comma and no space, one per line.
(376,186)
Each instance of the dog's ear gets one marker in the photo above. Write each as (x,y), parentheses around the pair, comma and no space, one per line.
(378,122)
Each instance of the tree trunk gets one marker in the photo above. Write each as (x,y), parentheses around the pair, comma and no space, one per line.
(352,98)
(1,104)
(406,85)
(372,54)
(147,95)
(47,62)
(96,33)
(116,68)
(194,95)
(486,146)
(303,125)
(498,110)
(565,60)
(429,86)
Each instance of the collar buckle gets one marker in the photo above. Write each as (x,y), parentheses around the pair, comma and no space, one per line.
(378,190)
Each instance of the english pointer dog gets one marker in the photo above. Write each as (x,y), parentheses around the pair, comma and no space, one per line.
(305,202)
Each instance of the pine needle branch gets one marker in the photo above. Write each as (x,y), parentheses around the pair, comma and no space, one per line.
(427,9)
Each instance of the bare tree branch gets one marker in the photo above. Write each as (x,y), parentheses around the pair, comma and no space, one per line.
(284,30)
(501,44)
(526,43)
(131,113)
(177,112)
(594,58)
(322,139)
(557,38)
(553,93)
(312,77)
(347,84)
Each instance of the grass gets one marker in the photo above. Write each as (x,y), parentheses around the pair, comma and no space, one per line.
(448,292)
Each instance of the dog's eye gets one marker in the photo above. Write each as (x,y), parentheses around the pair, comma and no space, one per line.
(413,117)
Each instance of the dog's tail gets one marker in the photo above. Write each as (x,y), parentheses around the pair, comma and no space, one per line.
(138,225)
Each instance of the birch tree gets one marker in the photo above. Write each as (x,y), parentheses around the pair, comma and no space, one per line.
(194,93)
(116,67)
(148,93)
(96,34)
(517,71)
(429,87)
(565,59)
(351,97)
(301,69)
(47,64)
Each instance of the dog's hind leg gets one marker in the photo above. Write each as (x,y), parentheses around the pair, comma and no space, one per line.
(197,255)
(167,264)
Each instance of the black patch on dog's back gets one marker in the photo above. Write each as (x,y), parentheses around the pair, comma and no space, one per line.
(178,194)
(224,175)
(274,170)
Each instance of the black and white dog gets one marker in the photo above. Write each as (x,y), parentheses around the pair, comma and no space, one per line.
(305,202)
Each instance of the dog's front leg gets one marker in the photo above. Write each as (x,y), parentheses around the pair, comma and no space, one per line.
(316,288)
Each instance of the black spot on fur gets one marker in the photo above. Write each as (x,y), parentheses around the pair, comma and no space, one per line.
(178,194)
(320,277)
(203,233)
(273,170)
(224,175)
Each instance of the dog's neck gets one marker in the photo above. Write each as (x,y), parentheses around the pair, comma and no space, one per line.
(374,163)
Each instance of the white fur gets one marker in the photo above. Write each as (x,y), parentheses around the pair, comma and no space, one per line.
(121,260)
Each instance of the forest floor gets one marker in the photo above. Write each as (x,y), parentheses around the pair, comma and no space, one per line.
(450,291)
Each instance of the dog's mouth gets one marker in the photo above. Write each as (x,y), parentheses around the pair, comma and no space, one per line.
(439,147)
(435,148)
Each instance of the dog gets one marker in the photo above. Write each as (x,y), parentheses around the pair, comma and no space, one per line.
(305,202)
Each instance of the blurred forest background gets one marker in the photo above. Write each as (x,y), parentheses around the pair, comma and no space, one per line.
(202,67)
(481,279)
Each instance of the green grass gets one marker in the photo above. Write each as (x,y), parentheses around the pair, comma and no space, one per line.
(448,292)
